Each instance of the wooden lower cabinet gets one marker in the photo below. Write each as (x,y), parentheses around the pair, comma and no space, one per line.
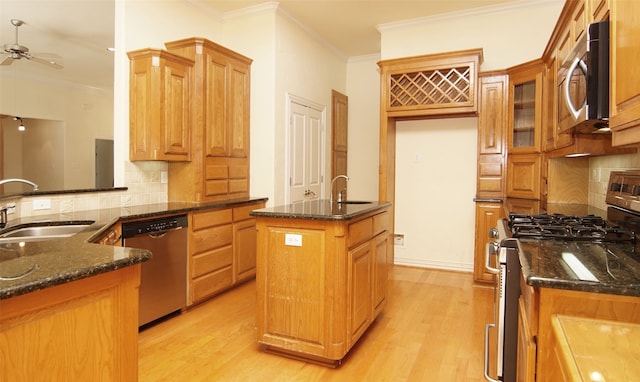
(112,236)
(537,308)
(85,330)
(320,283)
(487,216)
(222,250)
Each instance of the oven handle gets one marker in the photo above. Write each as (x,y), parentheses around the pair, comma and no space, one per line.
(486,353)
(492,248)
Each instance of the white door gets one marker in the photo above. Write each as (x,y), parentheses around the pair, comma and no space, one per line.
(306,151)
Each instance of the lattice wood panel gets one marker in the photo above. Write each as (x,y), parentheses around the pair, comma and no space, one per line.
(443,84)
(431,87)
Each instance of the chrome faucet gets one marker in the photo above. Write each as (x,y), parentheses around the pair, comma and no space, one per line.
(3,214)
(340,193)
(4,181)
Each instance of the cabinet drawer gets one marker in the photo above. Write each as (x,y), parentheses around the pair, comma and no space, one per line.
(360,231)
(211,238)
(211,261)
(210,219)
(242,213)
(380,222)
(211,283)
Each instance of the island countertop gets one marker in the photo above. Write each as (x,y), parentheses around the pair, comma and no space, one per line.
(320,209)
(31,266)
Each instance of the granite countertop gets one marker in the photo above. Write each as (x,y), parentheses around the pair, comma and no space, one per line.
(52,262)
(615,266)
(545,264)
(320,209)
(597,350)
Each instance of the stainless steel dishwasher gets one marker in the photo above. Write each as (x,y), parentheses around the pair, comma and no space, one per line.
(163,284)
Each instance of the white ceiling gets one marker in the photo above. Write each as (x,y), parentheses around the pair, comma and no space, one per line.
(79,31)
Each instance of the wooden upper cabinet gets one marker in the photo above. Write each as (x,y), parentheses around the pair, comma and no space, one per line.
(492,131)
(525,107)
(223,78)
(431,85)
(625,72)
(159,106)
(219,169)
(598,9)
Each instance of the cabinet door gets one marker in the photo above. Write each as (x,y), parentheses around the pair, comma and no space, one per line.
(487,216)
(523,176)
(159,106)
(625,72)
(526,371)
(226,106)
(525,111)
(381,244)
(359,290)
(244,249)
(113,236)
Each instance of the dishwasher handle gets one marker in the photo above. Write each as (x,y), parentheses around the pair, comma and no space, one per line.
(161,234)
(155,228)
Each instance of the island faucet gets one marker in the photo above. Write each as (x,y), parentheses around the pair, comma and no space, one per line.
(4,181)
(340,193)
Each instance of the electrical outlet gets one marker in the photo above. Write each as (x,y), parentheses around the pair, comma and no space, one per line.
(41,204)
(293,240)
(398,240)
(163,177)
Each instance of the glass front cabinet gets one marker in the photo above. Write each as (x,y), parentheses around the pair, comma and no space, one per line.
(525,130)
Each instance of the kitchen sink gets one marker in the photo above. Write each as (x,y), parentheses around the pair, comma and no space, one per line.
(43,232)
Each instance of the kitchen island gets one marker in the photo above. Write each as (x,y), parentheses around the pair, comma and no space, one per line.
(321,276)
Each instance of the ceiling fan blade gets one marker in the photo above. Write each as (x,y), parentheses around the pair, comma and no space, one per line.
(7,60)
(49,63)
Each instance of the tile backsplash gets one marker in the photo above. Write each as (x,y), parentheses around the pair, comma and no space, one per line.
(599,170)
(143,180)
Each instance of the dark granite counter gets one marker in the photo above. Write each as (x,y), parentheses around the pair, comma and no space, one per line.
(320,210)
(613,267)
(53,262)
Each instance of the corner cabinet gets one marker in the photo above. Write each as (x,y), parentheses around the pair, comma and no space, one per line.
(159,106)
(625,74)
(320,283)
(219,167)
(431,85)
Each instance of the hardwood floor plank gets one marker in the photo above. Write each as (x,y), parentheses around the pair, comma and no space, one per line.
(430,330)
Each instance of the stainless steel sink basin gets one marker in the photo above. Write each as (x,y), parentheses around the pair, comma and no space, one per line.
(42,232)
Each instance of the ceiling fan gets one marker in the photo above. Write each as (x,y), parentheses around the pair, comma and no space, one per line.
(16,51)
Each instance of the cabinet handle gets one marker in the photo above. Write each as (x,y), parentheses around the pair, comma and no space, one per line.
(492,249)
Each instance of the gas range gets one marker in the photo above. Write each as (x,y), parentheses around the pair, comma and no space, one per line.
(568,227)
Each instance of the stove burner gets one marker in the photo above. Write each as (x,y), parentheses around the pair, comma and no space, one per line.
(558,226)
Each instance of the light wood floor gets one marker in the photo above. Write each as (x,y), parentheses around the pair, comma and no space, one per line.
(430,330)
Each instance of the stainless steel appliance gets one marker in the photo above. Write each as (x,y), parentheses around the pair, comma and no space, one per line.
(163,284)
(583,83)
(597,248)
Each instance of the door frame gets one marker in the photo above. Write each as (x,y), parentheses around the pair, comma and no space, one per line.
(292,98)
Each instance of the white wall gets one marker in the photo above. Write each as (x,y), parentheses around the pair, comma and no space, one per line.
(434,195)
(363,84)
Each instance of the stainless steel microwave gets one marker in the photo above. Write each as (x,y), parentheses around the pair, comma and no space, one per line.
(583,83)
